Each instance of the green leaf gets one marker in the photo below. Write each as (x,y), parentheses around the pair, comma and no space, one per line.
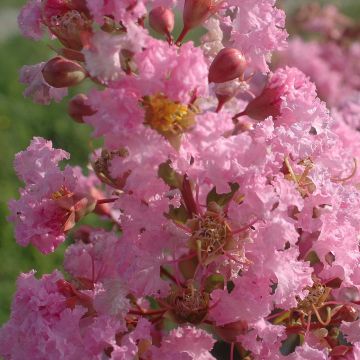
(179,214)
(215,281)
(288,346)
(170,176)
(313,258)
(222,199)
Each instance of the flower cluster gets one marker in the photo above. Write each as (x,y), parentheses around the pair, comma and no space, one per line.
(231,191)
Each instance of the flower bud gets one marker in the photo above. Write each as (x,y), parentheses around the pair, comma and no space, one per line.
(162,20)
(60,72)
(228,65)
(78,108)
(196,12)
(268,103)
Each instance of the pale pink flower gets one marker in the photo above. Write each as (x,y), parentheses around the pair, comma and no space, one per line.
(257,30)
(30,21)
(105,53)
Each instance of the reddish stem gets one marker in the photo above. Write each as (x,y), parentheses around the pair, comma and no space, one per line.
(239,115)
(144,312)
(170,276)
(105,201)
(182,36)
(188,196)
(232,347)
(237,231)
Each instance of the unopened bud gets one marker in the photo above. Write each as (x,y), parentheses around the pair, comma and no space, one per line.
(162,20)
(268,103)
(196,12)
(78,108)
(228,65)
(60,72)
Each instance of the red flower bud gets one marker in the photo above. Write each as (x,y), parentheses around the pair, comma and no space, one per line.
(162,20)
(268,103)
(78,108)
(60,72)
(228,64)
(196,12)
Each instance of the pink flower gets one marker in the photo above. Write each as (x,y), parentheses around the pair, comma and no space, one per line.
(39,319)
(50,204)
(106,54)
(257,30)
(30,21)
(121,10)
(177,73)
(185,343)
(38,89)
(282,95)
(130,343)
(307,352)
(46,323)
(96,260)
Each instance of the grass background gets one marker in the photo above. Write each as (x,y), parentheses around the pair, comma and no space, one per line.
(20,120)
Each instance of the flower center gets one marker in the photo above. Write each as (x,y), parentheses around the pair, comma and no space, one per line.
(102,165)
(304,184)
(167,117)
(67,28)
(62,192)
(210,235)
(318,294)
(189,304)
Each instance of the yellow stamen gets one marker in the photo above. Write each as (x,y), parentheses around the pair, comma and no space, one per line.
(63,191)
(167,117)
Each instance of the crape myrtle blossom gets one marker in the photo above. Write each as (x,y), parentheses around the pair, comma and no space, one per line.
(52,200)
(230,193)
(324,60)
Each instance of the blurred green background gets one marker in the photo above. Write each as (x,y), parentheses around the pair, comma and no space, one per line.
(20,120)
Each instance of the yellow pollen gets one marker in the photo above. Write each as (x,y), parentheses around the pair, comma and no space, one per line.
(168,117)
(63,191)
